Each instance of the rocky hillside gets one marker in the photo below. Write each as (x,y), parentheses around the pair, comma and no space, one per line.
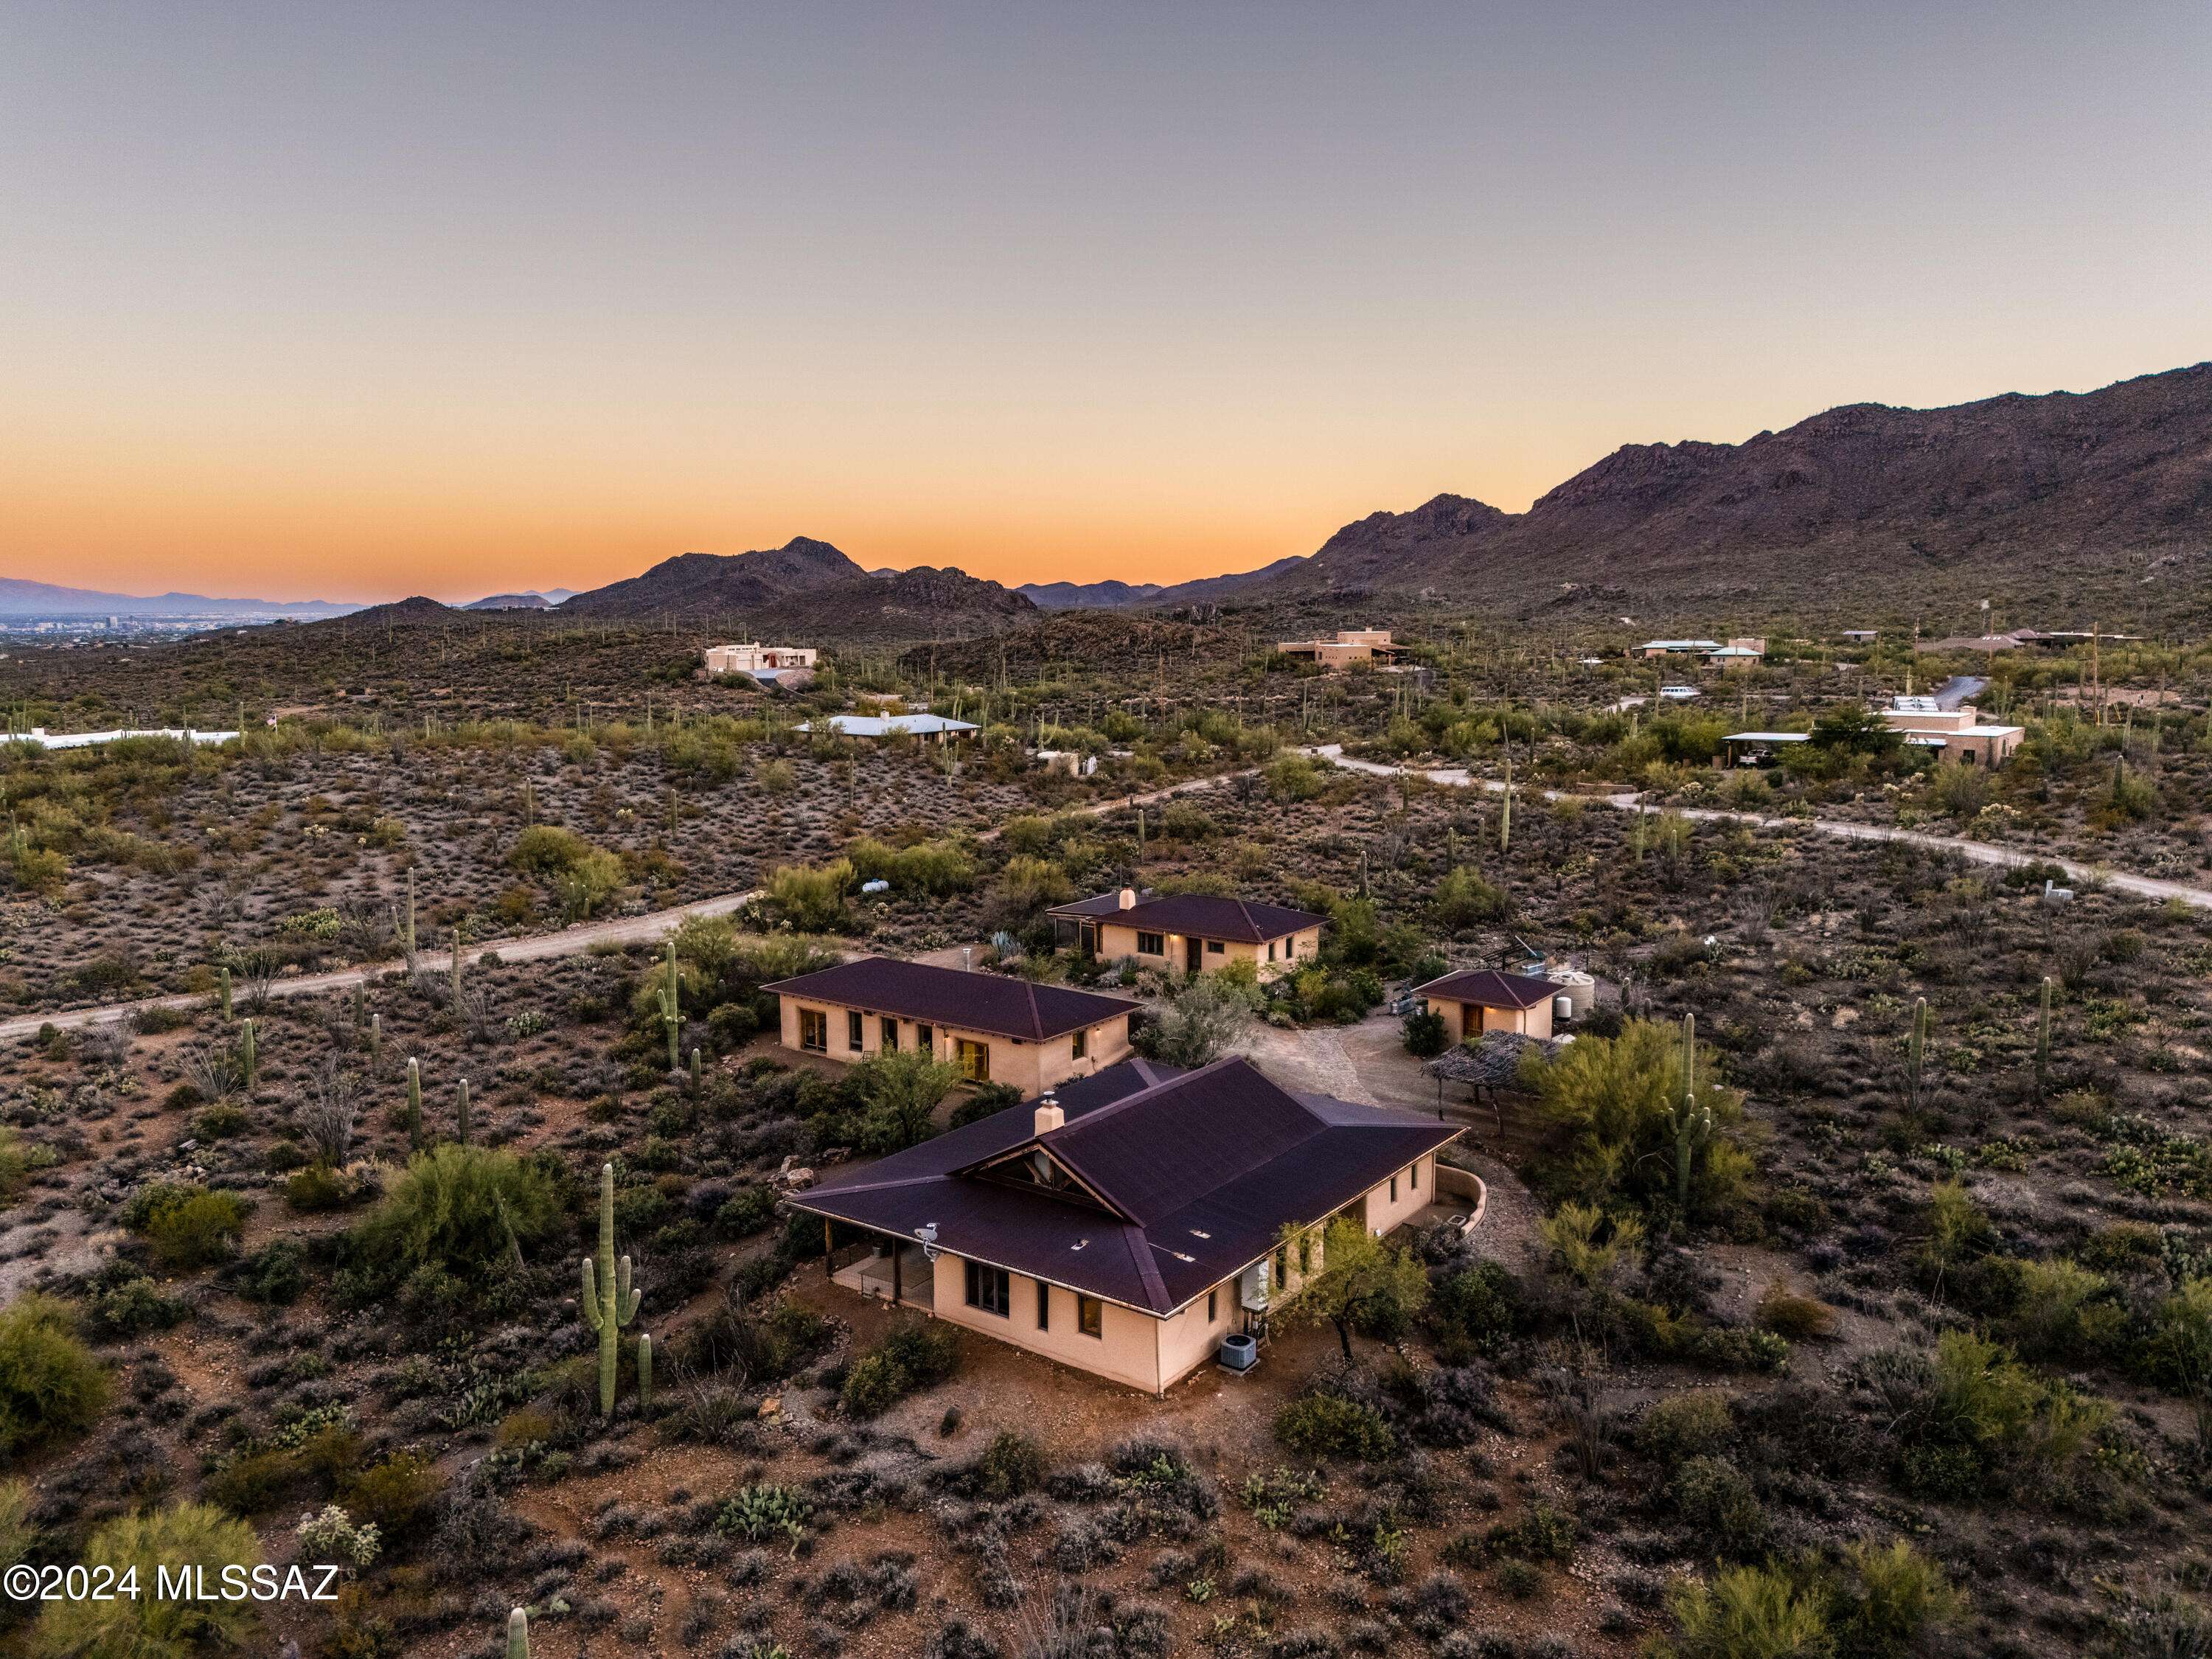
(2056,503)
(720,581)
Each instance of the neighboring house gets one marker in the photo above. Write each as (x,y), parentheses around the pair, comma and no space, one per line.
(1861,635)
(1127,1223)
(930,728)
(778,665)
(1072,762)
(1478,999)
(1738,653)
(1351,645)
(997,1029)
(1196,932)
(1956,733)
(1756,748)
(1673,647)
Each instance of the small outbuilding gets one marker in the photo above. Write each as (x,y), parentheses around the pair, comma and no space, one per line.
(1476,1000)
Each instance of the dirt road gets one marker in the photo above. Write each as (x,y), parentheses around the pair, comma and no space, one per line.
(1979,852)
(530,947)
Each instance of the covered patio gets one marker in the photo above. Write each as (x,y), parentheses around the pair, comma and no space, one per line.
(898,1271)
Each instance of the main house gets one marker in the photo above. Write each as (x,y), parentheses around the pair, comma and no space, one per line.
(1478,999)
(1955,731)
(1351,645)
(783,664)
(1127,1223)
(1196,932)
(997,1029)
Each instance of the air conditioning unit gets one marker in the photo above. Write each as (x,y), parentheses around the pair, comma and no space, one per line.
(1238,1352)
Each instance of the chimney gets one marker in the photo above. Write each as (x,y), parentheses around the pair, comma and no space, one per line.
(968,957)
(1126,898)
(1049,1116)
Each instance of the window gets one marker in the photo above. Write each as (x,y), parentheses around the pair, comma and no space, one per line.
(1212,1306)
(1271,950)
(1082,1044)
(1044,1306)
(814,1030)
(1214,947)
(1393,1189)
(1413,1175)
(989,1288)
(925,1038)
(1152,944)
(891,1035)
(975,1059)
(1091,1316)
(854,1025)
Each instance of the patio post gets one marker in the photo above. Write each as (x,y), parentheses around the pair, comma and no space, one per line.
(898,1263)
(829,1251)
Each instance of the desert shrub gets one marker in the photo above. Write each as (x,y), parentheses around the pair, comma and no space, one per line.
(1796,1317)
(396,1496)
(984,1100)
(461,1211)
(763,1512)
(1328,1424)
(50,1384)
(1684,1425)
(146,1627)
(894,1097)
(1482,1306)
(121,1300)
(275,1273)
(1893,1599)
(583,877)
(316,1188)
(1715,1499)
(911,1358)
(1464,899)
(1199,1023)
(184,1225)
(1424,1033)
(1746,1613)
(748,1211)
(752,1342)
(811,898)
(1010,1466)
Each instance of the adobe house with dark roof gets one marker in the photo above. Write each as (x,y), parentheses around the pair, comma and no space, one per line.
(997,1029)
(1478,999)
(1127,1221)
(1191,932)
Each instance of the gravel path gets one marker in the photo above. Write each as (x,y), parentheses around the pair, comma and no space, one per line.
(1979,852)
(533,947)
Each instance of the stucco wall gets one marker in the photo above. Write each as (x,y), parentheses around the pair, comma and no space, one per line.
(1032,1067)
(1117,939)
(1414,1193)
(1465,1021)
(1189,1341)
(1129,1351)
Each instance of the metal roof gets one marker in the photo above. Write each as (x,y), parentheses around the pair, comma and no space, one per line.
(1768,737)
(990,1003)
(1205,915)
(1489,989)
(1199,1172)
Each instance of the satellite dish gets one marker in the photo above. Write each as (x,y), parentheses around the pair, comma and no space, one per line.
(927,1234)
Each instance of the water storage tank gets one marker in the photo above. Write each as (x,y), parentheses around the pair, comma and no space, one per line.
(1239,1352)
(1578,987)
(1562,1009)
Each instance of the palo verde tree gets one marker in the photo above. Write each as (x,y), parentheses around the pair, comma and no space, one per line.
(1364,1284)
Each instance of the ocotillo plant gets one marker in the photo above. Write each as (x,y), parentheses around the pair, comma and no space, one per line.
(1916,1049)
(1506,813)
(413,1104)
(222,991)
(672,1010)
(609,1302)
(461,1112)
(249,1063)
(1692,1126)
(454,972)
(2043,1037)
(517,1635)
(644,1373)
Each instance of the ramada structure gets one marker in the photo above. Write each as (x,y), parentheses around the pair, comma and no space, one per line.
(1127,1223)
(1194,932)
(997,1029)
(1478,999)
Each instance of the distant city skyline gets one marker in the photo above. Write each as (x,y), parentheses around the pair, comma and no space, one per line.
(350,303)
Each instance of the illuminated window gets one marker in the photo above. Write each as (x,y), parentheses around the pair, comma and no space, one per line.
(814,1030)
(1082,1044)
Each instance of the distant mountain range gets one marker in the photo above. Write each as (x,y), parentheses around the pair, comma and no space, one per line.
(28,598)
(532,600)
(2055,500)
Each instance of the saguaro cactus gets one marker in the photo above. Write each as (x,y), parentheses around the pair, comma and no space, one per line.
(1506,813)
(360,1004)
(609,1302)
(376,1036)
(1692,1126)
(453,971)
(1689,1055)
(1916,1049)
(2043,1037)
(249,1062)
(518,1634)
(672,1010)
(407,916)
(222,991)
(413,1104)
(698,1068)
(644,1373)
(461,1112)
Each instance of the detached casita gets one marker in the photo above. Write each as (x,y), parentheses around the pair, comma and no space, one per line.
(1478,999)
(1193,932)
(1127,1223)
(997,1029)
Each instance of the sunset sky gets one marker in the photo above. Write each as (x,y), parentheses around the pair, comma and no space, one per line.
(353,302)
